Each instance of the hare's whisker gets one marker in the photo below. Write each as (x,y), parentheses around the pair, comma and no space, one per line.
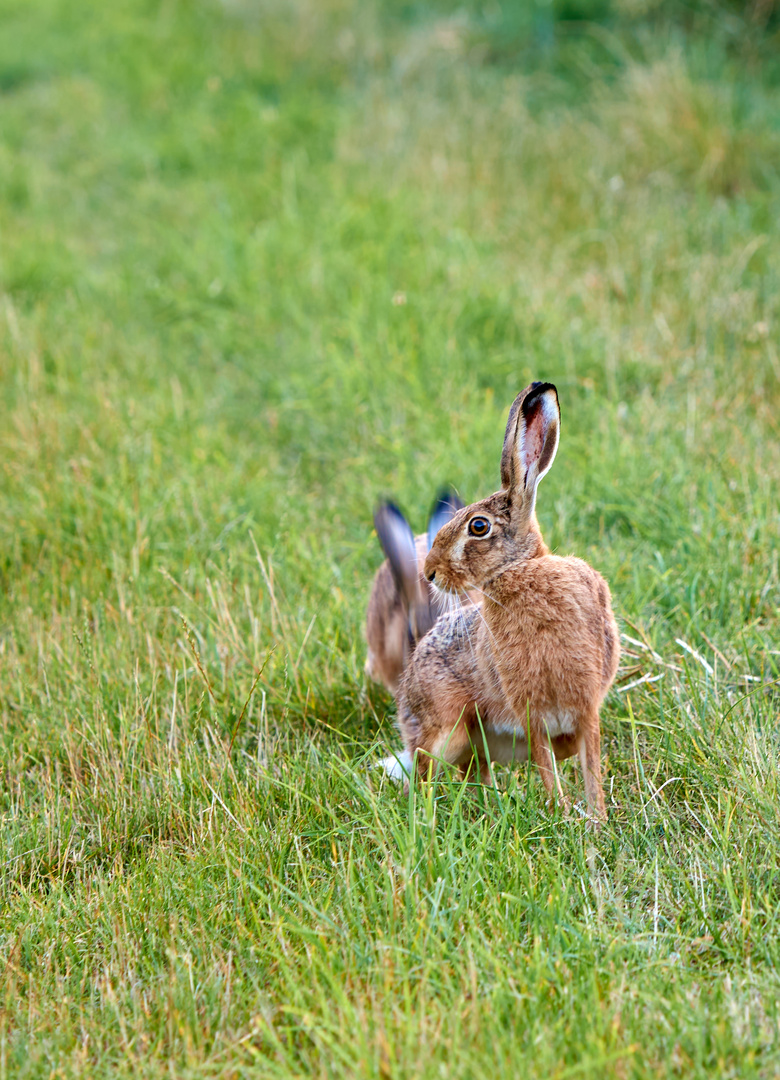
(476,588)
(484,620)
(484,623)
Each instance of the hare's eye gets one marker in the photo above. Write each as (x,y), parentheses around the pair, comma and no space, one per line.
(479,526)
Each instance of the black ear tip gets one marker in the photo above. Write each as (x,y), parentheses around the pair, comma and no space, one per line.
(385,511)
(535,391)
(445,508)
(385,506)
(447,500)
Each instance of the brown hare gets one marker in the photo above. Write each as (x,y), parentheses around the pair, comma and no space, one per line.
(402,606)
(524,672)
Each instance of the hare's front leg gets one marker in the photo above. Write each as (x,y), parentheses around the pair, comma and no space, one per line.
(587,743)
(590,762)
(541,754)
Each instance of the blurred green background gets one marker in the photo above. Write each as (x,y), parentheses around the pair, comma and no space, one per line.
(261,263)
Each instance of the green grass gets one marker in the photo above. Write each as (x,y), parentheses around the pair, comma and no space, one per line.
(260,264)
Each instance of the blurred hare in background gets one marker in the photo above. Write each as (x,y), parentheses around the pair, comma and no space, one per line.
(403,606)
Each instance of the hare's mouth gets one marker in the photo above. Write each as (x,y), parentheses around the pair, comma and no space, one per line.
(444,590)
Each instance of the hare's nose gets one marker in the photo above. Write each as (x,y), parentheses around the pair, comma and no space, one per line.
(431,576)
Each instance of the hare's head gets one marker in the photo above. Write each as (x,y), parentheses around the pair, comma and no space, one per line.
(483,539)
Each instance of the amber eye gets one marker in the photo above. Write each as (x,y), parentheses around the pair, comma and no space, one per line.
(479,526)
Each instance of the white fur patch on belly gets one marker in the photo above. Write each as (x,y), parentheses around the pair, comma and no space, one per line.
(505,725)
(554,723)
(558,723)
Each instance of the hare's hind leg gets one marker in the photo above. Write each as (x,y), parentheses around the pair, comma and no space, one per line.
(590,762)
(448,741)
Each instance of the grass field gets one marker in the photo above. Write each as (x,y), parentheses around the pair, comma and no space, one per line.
(260,264)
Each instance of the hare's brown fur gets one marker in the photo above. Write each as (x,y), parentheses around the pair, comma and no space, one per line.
(524,672)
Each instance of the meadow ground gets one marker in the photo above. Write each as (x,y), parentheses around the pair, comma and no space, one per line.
(261,263)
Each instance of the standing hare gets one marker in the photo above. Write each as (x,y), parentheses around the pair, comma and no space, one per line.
(525,671)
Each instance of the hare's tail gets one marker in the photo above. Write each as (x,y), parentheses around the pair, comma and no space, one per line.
(397,767)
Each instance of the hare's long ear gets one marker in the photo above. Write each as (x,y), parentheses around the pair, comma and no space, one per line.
(530,443)
(444,510)
(397,540)
(398,544)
